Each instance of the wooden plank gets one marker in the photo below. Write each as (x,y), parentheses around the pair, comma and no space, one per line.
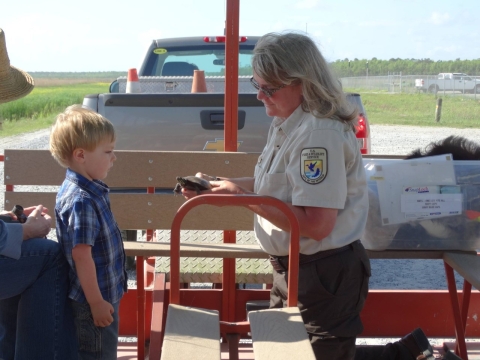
(132,169)
(229,251)
(150,211)
(156,211)
(31,167)
(467,265)
(380,156)
(142,248)
(405,254)
(279,334)
(191,333)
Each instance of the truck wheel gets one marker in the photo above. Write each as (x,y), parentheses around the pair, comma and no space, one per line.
(433,89)
(477,89)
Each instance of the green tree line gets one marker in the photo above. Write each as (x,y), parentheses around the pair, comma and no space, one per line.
(77,75)
(358,67)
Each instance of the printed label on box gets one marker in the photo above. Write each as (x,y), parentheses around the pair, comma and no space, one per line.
(430,205)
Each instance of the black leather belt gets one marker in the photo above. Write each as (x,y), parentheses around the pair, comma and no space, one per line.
(280,263)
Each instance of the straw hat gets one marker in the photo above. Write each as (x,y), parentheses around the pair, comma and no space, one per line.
(14,83)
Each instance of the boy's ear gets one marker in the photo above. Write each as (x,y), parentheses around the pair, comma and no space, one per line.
(79,155)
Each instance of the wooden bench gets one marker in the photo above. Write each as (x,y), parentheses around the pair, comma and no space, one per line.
(149,210)
(143,209)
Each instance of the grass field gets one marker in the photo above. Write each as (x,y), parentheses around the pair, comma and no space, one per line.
(52,95)
(419,109)
(38,110)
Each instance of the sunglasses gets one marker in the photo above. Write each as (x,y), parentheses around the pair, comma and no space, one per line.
(267,91)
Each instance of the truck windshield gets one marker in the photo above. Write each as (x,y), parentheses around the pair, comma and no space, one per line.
(181,61)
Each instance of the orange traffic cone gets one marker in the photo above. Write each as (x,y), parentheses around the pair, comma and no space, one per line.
(199,84)
(133,85)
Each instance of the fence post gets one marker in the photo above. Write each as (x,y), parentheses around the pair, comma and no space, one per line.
(438,110)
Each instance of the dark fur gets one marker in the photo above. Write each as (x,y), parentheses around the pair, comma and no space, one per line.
(458,146)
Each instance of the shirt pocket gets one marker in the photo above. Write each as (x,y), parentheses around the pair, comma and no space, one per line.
(275,185)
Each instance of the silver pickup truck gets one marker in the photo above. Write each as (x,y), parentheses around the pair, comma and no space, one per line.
(166,116)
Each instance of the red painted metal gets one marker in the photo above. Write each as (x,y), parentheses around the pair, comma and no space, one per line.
(459,324)
(234,200)
(231,75)
(228,281)
(128,313)
(467,292)
(140,308)
(387,313)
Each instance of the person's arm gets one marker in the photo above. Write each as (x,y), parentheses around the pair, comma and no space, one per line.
(243,182)
(315,222)
(85,267)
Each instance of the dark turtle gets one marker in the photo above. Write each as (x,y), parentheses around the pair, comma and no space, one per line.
(191,183)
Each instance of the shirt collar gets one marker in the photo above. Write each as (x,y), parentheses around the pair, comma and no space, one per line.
(96,187)
(289,124)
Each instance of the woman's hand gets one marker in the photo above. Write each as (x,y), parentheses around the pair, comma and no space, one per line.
(218,187)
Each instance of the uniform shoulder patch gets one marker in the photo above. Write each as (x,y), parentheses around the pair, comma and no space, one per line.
(313,165)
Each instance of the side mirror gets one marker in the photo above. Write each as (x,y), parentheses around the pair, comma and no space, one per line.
(114,87)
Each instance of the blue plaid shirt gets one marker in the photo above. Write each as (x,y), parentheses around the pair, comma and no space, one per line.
(83,216)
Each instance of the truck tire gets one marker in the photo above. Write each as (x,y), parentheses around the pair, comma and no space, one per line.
(477,89)
(433,89)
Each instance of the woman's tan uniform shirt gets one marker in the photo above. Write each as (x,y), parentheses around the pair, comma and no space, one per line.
(312,162)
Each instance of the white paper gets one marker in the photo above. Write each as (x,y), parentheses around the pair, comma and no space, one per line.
(428,206)
(393,178)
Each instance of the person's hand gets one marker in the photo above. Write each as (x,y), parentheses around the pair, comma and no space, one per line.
(102,313)
(205,176)
(218,187)
(38,223)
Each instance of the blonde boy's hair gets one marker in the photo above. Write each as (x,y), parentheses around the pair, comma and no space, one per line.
(78,128)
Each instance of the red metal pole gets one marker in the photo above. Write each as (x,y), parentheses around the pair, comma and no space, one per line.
(140,309)
(459,326)
(230,144)
(231,75)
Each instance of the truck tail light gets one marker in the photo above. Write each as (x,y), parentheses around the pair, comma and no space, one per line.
(221,39)
(362,133)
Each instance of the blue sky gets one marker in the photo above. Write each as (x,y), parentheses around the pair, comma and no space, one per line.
(88,35)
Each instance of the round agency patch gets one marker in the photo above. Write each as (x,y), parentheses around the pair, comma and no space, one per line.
(313,165)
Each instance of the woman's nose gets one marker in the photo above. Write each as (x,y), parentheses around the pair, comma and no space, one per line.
(260,94)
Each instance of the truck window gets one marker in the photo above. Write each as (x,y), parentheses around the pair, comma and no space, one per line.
(181,61)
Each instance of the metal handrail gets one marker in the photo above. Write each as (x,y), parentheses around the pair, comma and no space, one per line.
(235,200)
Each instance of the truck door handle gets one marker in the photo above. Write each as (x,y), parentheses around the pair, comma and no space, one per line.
(214,119)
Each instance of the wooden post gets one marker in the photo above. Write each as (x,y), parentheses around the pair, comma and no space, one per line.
(438,110)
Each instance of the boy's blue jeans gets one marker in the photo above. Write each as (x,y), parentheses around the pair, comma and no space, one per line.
(35,319)
(94,342)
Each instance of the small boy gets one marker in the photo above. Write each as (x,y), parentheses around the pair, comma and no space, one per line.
(83,141)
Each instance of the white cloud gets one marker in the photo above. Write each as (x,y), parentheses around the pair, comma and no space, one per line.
(145,37)
(439,19)
(306,4)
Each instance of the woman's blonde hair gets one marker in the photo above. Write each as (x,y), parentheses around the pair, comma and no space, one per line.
(293,58)
(78,128)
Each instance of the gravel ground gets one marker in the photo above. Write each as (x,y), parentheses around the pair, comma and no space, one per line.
(386,274)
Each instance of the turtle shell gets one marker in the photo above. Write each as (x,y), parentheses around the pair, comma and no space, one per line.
(193,183)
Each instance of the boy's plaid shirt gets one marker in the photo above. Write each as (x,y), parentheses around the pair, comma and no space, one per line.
(83,216)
